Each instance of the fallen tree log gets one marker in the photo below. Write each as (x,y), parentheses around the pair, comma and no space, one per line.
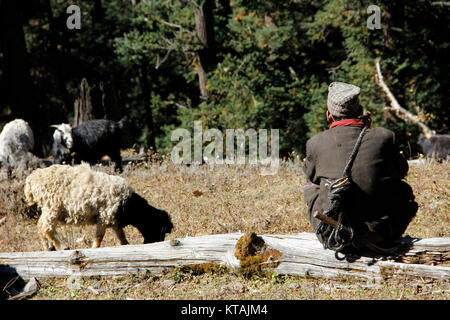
(297,254)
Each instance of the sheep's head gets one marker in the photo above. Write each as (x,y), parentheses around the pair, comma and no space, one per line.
(63,134)
(151,222)
(157,226)
(62,142)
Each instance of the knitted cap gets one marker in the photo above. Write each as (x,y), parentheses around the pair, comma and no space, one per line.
(343,99)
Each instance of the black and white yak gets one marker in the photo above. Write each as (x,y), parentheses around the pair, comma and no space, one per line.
(89,141)
(437,146)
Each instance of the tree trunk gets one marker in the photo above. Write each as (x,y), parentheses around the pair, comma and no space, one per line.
(146,96)
(109,101)
(12,41)
(206,57)
(202,78)
(83,105)
(19,93)
(393,16)
(98,13)
(56,62)
(226,6)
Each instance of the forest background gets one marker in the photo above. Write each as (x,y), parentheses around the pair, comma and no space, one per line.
(258,64)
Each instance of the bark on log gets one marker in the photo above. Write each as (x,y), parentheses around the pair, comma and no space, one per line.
(297,254)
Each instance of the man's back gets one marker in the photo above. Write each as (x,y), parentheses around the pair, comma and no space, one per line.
(377,172)
(378,204)
(377,162)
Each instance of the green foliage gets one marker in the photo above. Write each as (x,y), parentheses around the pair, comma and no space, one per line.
(273,61)
(341,25)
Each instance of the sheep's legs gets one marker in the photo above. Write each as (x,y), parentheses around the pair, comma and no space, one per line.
(47,231)
(99,234)
(121,235)
(101,229)
(46,243)
(53,238)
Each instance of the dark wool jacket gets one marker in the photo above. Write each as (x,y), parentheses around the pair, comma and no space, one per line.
(383,201)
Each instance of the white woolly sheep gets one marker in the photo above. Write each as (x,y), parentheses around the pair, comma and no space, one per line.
(80,196)
(16,144)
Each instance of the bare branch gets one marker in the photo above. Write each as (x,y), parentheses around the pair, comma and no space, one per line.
(172,45)
(396,108)
(158,62)
(333,70)
(442,4)
(179,105)
(195,4)
(173,25)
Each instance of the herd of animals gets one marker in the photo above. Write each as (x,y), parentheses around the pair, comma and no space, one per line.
(79,195)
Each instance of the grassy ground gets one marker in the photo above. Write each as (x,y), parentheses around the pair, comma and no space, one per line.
(227,198)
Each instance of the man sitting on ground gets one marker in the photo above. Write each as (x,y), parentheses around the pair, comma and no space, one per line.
(380,204)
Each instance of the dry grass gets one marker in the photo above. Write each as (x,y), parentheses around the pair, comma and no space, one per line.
(229,198)
(431,184)
(228,286)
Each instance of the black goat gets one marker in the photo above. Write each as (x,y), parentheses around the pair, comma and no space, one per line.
(89,141)
(437,146)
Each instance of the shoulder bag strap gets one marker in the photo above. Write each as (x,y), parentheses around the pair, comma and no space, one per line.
(348,167)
